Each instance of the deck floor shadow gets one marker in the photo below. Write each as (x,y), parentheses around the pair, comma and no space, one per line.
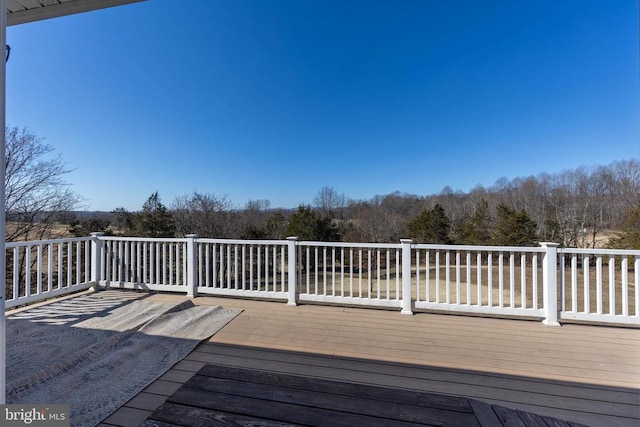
(219,395)
(241,385)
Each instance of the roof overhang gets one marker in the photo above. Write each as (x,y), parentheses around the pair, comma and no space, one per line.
(23,11)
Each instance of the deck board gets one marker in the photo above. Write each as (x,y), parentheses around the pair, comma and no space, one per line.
(212,374)
(450,381)
(577,373)
(220,394)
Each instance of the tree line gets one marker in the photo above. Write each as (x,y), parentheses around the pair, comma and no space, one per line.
(584,207)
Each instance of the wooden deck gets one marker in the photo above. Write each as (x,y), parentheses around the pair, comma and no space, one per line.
(218,395)
(582,374)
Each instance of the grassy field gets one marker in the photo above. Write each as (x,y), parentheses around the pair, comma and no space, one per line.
(516,289)
(58,231)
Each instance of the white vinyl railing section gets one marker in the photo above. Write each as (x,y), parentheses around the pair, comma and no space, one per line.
(46,268)
(599,285)
(142,263)
(242,267)
(547,282)
(350,273)
(479,279)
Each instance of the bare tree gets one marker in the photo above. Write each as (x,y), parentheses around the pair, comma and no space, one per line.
(378,220)
(207,215)
(328,201)
(627,175)
(254,218)
(36,192)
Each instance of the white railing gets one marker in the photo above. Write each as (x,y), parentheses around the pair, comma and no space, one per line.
(46,268)
(599,285)
(479,279)
(543,282)
(254,268)
(142,263)
(350,273)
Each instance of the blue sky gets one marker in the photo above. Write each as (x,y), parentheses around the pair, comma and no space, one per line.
(257,99)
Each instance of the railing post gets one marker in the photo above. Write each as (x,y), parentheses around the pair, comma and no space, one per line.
(550,283)
(192,265)
(406,276)
(292,263)
(97,257)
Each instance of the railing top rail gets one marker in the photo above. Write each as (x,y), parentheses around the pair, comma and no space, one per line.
(351,245)
(520,249)
(368,245)
(626,252)
(242,242)
(47,242)
(143,239)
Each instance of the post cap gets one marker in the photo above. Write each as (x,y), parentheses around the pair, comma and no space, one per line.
(549,244)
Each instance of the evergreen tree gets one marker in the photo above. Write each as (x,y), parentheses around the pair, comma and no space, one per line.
(431,226)
(273,228)
(123,221)
(307,224)
(154,220)
(89,225)
(476,230)
(629,238)
(514,228)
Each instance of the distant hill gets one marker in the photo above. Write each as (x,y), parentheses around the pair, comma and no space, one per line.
(82,215)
